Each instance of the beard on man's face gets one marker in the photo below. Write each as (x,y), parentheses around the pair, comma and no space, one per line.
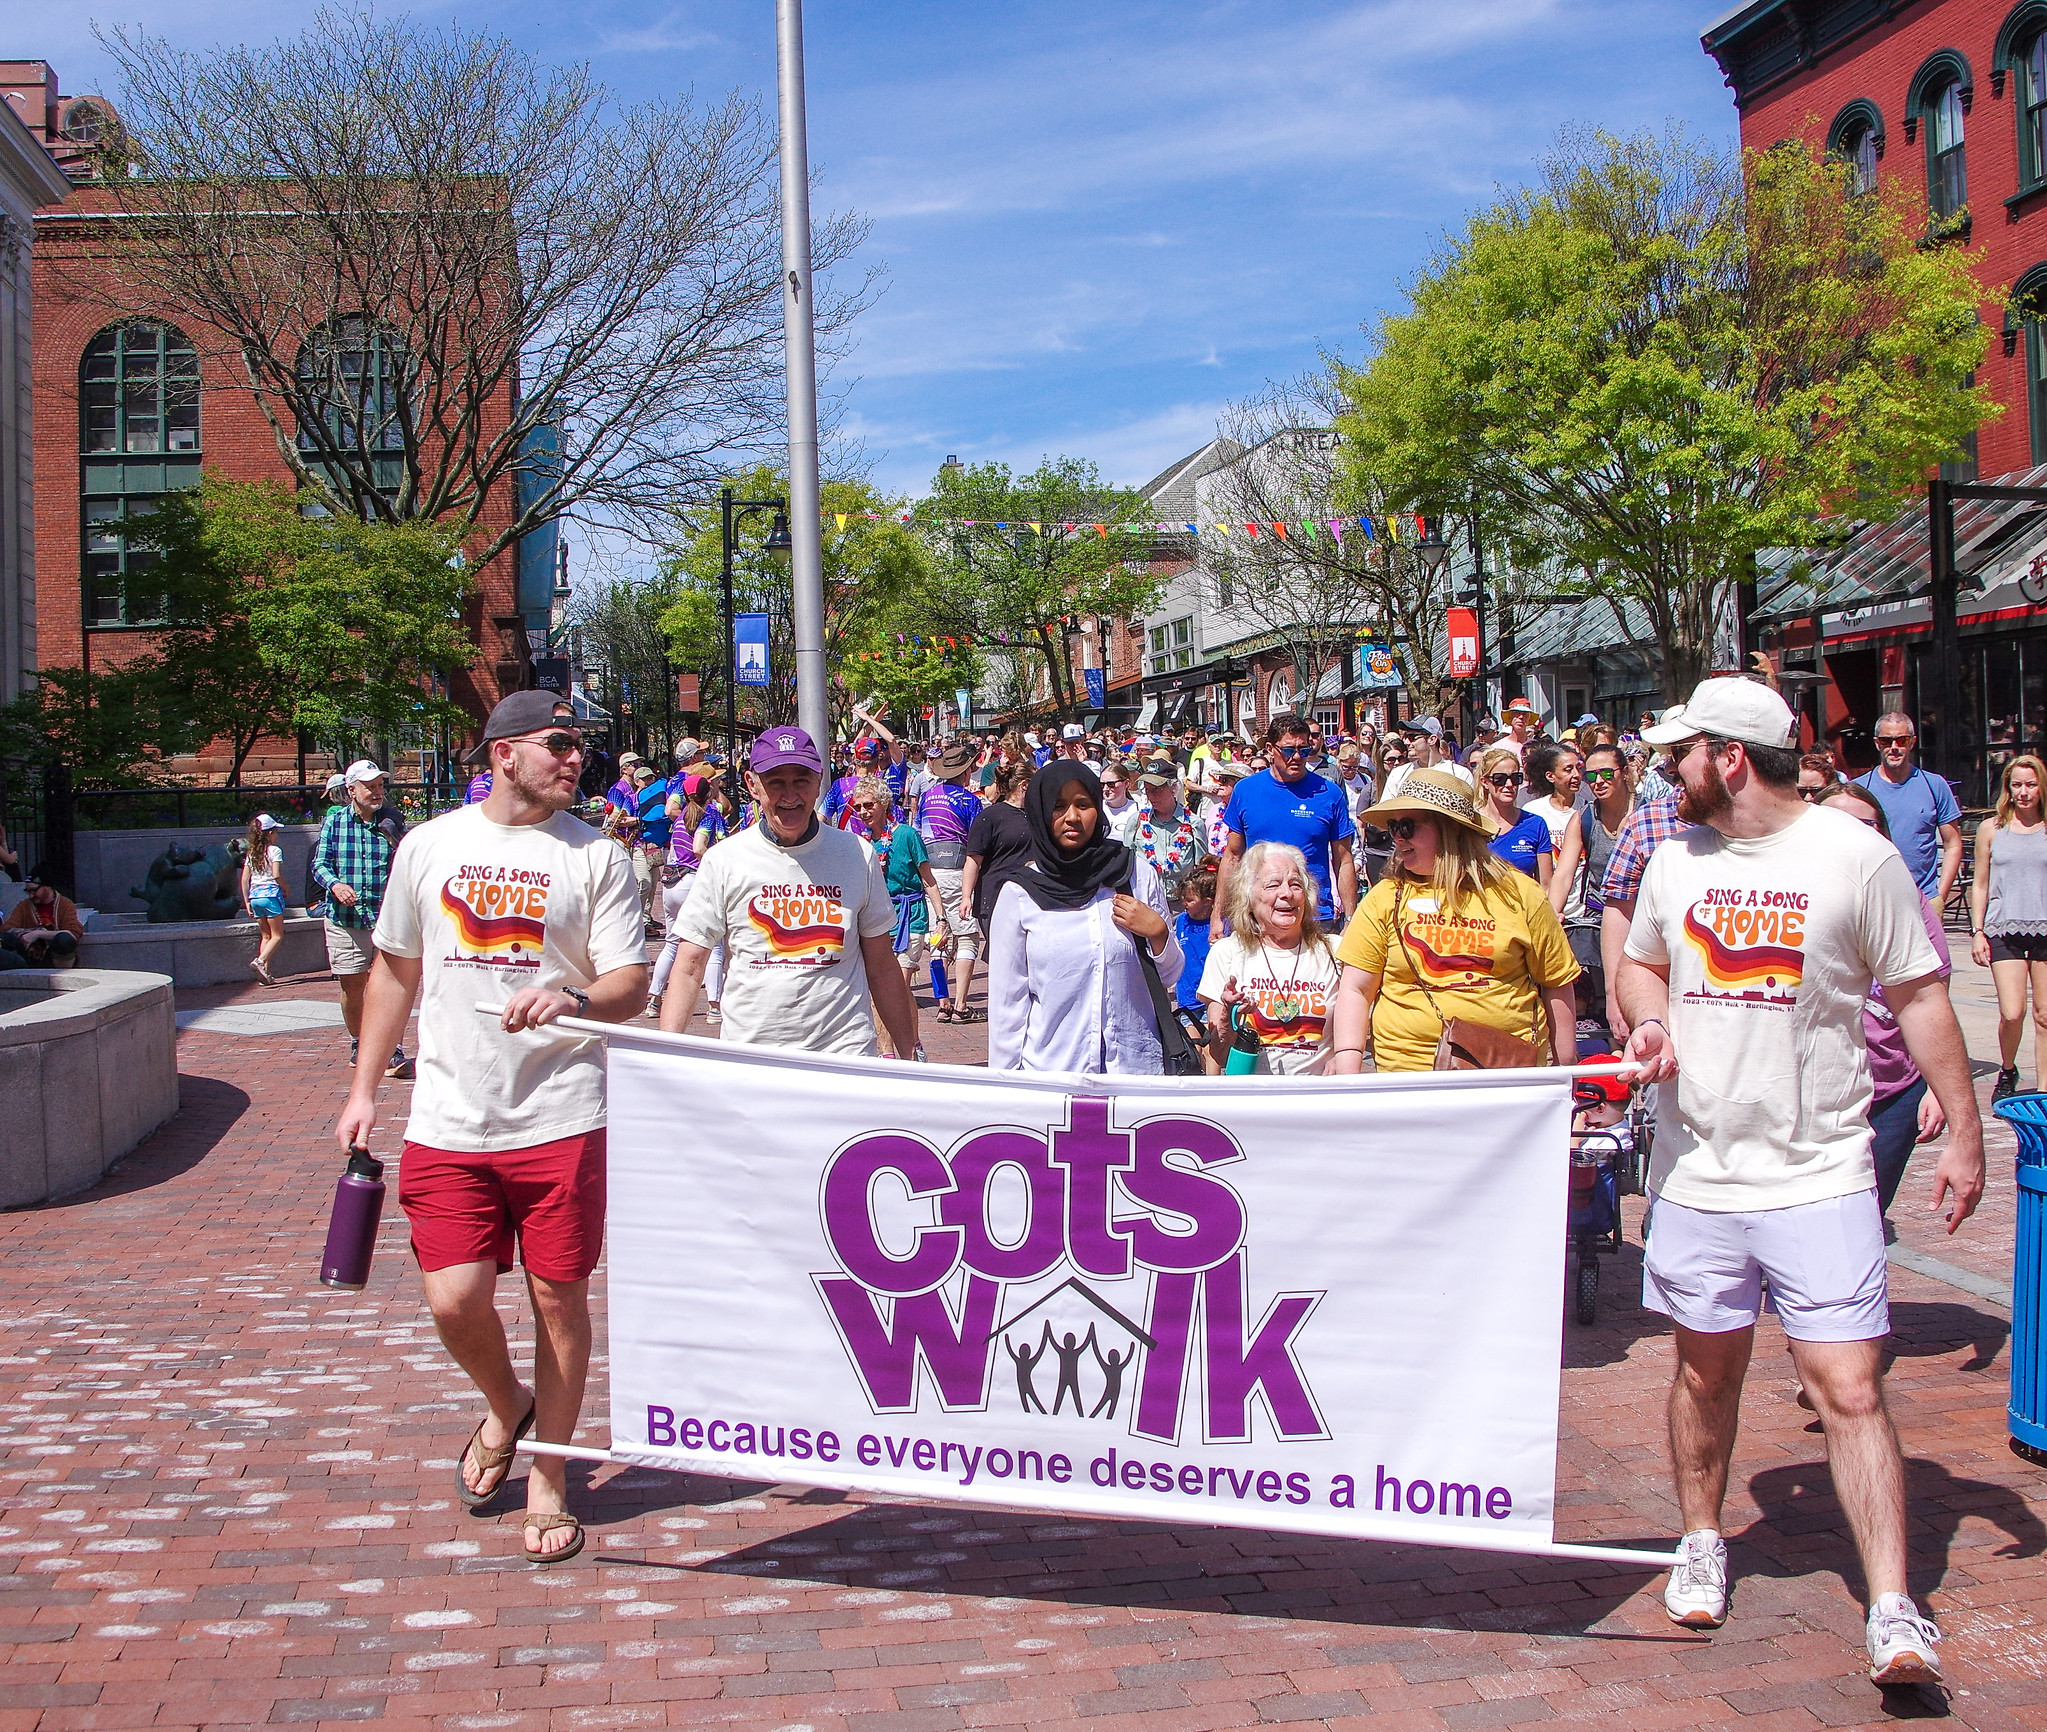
(539,783)
(1710,800)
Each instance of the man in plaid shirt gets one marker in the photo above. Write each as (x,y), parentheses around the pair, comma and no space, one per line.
(352,864)
(1647,827)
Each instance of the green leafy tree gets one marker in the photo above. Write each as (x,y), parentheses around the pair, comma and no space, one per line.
(1015,557)
(1659,360)
(875,571)
(112,727)
(277,622)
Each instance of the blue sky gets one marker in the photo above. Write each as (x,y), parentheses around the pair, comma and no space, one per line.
(1103,222)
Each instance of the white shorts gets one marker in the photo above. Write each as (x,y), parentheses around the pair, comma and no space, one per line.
(350,949)
(1824,1262)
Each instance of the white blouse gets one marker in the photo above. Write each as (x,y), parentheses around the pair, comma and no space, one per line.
(1065,988)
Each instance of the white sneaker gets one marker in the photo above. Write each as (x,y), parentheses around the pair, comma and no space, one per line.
(1901,1643)
(1696,1594)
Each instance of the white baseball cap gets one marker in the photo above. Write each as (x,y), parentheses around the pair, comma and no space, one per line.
(362,770)
(336,782)
(1729,709)
(1073,731)
(268,822)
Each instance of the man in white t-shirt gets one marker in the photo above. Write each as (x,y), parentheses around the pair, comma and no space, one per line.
(1755,939)
(1425,751)
(507,900)
(805,917)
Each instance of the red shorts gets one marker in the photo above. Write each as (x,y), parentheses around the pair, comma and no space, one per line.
(467,1207)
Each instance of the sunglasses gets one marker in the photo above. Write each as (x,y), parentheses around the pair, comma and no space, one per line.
(1899,740)
(1507,779)
(561,745)
(1601,775)
(1402,829)
(1293,751)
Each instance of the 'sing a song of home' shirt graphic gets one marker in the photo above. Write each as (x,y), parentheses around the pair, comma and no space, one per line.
(499,915)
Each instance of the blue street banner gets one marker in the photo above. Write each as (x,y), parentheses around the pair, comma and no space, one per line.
(1101,1295)
(750,648)
(964,700)
(1097,687)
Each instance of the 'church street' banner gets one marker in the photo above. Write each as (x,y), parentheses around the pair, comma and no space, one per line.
(1330,1306)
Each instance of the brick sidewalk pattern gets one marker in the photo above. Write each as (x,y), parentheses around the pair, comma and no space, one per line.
(228,1500)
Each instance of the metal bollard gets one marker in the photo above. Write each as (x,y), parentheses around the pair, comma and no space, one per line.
(2026,1417)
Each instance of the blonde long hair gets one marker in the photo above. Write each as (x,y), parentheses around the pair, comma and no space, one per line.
(1240,906)
(2026,760)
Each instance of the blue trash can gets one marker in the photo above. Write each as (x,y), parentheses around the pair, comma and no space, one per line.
(2026,1416)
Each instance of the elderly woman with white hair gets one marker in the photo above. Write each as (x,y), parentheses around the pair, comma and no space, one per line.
(1276,972)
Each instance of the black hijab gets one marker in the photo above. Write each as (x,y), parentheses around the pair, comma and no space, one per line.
(1054,878)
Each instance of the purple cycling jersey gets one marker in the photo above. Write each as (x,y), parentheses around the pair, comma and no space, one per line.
(946,812)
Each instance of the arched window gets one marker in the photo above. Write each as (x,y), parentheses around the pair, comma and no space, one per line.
(2032,107)
(138,411)
(1939,101)
(2027,313)
(2020,54)
(353,401)
(1947,167)
(1857,139)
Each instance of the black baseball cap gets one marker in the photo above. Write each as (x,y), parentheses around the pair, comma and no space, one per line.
(519,714)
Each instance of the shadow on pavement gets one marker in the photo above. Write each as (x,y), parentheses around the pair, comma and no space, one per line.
(1799,1506)
(1922,1330)
(926,1549)
(207,1110)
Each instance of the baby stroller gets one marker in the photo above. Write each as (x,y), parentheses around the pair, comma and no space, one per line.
(1609,1138)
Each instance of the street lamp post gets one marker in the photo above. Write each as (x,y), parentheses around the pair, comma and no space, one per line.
(1432,551)
(731,514)
(799,337)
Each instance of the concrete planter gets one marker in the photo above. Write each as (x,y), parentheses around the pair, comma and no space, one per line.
(199,952)
(89,1065)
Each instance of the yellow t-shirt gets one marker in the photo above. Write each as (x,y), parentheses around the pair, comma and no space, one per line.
(1486,960)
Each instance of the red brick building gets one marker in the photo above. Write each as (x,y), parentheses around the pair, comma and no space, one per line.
(1949,97)
(133,400)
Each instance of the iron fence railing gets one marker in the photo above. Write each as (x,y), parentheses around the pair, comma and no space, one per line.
(188,808)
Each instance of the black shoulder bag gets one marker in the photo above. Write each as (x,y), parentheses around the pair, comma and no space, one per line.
(1178,1051)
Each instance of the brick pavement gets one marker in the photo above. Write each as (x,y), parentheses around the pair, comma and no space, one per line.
(227,1500)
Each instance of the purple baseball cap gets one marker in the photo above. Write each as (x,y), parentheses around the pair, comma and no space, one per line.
(779,746)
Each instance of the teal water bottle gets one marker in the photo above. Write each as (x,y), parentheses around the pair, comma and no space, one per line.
(1243,1059)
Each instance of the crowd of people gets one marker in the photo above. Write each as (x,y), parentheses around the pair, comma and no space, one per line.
(1756,936)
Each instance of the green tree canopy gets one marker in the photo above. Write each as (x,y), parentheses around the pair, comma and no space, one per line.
(277,622)
(1659,360)
(1014,557)
(875,573)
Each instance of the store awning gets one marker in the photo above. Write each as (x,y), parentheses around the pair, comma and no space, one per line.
(1217,673)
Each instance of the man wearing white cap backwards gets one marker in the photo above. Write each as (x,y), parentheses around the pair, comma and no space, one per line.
(1756,938)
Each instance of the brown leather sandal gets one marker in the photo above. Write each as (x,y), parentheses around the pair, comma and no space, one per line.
(546,1521)
(489,1457)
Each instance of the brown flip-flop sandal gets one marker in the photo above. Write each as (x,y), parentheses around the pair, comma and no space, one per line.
(547,1521)
(488,1457)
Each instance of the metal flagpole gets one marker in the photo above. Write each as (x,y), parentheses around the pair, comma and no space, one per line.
(806,527)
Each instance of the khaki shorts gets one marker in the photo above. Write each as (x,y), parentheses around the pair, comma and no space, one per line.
(918,953)
(350,949)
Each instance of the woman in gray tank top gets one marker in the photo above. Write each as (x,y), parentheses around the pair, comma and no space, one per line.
(2008,915)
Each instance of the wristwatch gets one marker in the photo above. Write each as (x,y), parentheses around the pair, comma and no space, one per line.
(582,999)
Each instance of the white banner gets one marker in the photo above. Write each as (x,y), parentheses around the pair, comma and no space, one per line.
(1325,1305)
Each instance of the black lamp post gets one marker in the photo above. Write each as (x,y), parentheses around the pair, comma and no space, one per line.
(734,512)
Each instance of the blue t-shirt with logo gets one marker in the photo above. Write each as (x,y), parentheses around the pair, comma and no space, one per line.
(1521,845)
(1309,815)
(1915,810)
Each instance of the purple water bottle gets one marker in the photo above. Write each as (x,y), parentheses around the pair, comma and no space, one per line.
(352,1229)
